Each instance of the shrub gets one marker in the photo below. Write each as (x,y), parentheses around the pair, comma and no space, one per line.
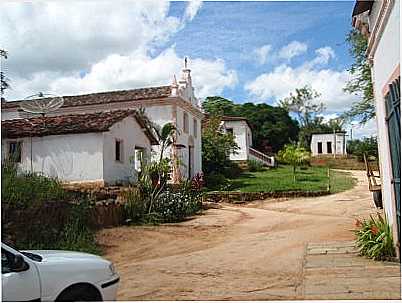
(136,205)
(172,204)
(24,189)
(254,165)
(176,206)
(217,145)
(77,234)
(374,238)
(232,170)
(215,181)
(37,213)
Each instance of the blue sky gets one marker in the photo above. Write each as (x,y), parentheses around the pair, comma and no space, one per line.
(244,51)
(232,30)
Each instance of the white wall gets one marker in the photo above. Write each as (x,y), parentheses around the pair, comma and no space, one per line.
(186,139)
(240,131)
(75,157)
(386,60)
(324,138)
(129,132)
(159,114)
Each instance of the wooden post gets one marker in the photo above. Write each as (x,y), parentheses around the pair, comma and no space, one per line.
(329,179)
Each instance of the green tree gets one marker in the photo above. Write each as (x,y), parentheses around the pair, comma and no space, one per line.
(272,126)
(361,84)
(294,156)
(216,147)
(368,146)
(302,103)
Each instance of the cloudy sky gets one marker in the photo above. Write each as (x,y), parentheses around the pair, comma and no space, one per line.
(244,51)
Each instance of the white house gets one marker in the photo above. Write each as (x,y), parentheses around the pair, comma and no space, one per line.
(96,148)
(328,144)
(379,21)
(240,128)
(173,103)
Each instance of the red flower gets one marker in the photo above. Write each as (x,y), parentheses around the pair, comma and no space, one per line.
(374,230)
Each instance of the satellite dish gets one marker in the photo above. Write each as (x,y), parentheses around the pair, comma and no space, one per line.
(41,103)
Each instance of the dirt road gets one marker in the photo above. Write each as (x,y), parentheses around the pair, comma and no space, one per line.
(252,252)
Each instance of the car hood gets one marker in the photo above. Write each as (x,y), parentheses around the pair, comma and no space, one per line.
(66,256)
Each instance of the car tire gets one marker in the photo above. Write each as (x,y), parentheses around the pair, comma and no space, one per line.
(79,292)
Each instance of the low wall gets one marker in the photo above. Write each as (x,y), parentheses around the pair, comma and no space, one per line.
(253,196)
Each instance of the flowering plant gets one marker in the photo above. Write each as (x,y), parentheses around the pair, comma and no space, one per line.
(374,238)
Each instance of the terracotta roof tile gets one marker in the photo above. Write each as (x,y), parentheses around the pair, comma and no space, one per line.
(70,124)
(107,97)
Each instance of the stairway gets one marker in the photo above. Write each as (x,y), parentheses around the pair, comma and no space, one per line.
(259,156)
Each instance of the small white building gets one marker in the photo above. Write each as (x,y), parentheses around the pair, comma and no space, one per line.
(240,128)
(379,21)
(174,103)
(328,144)
(95,149)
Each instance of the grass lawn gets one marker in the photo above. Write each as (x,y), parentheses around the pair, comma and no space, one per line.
(281,179)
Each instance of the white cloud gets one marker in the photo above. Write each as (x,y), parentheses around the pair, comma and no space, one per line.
(293,49)
(323,56)
(284,79)
(262,53)
(192,9)
(367,130)
(138,69)
(82,47)
(69,36)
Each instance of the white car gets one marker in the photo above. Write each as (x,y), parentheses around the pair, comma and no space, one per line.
(53,275)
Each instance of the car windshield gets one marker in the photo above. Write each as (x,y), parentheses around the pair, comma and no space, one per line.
(32,256)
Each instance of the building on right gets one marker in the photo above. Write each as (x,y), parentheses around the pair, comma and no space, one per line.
(379,21)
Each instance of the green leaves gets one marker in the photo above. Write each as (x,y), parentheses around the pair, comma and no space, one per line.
(272,126)
(361,82)
(374,238)
(216,147)
(366,146)
(295,156)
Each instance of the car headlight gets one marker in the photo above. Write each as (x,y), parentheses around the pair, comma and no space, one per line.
(112,269)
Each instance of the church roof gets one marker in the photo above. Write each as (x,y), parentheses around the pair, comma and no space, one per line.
(106,97)
(71,124)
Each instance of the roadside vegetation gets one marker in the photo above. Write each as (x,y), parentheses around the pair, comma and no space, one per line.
(37,213)
(152,200)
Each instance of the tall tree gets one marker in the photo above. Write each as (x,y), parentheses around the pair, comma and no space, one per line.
(361,84)
(272,126)
(303,104)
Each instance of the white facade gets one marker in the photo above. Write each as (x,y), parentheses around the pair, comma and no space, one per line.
(383,53)
(243,138)
(87,157)
(160,111)
(385,63)
(328,144)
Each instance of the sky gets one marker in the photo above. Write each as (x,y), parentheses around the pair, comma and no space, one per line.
(244,51)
